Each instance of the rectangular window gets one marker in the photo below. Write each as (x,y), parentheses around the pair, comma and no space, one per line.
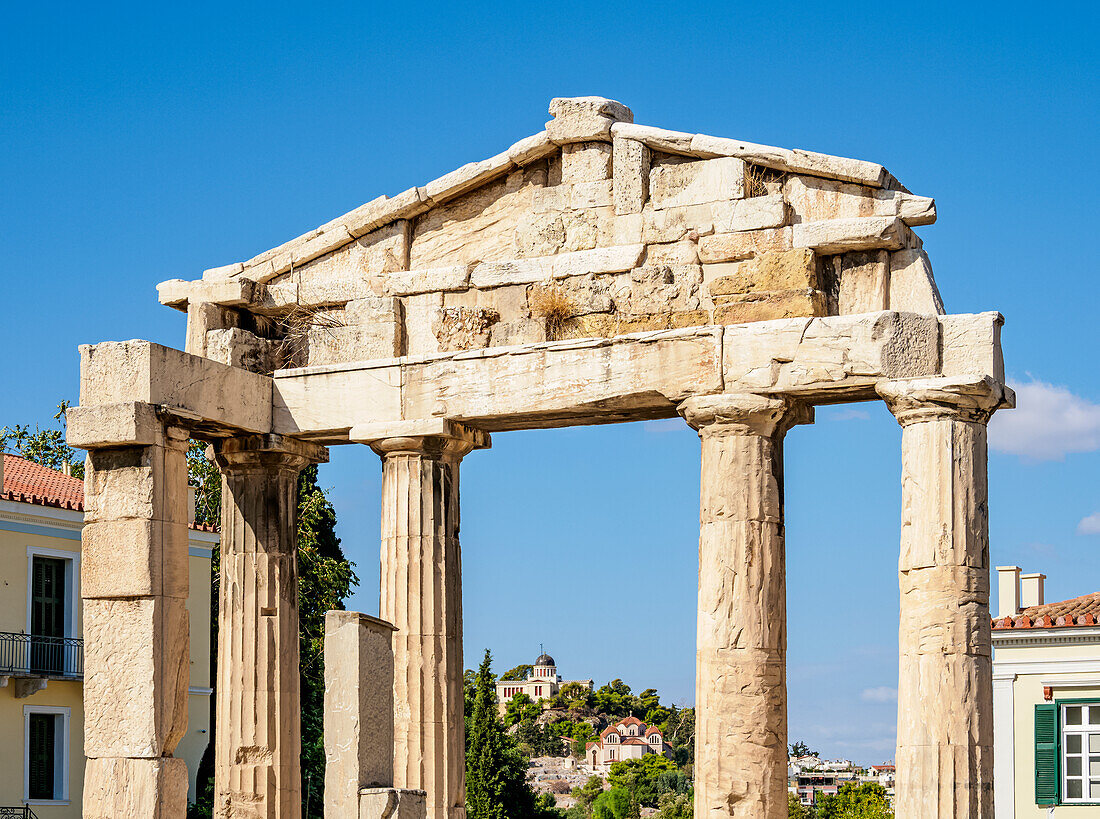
(46,754)
(48,598)
(1080,752)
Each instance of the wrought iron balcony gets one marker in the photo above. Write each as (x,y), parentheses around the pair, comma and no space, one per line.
(28,655)
(21,812)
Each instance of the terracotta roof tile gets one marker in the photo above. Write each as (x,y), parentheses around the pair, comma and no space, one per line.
(1080,611)
(28,482)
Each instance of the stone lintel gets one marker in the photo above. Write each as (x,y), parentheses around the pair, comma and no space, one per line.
(214,398)
(375,434)
(965,398)
(111,425)
(744,414)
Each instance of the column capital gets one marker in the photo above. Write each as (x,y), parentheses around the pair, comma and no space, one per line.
(430,436)
(959,398)
(744,414)
(267,450)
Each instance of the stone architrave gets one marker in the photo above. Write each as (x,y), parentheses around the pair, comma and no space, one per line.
(421,595)
(945,678)
(358,709)
(136,628)
(258,733)
(741,641)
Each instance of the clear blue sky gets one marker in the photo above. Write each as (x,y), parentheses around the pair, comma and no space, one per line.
(144,142)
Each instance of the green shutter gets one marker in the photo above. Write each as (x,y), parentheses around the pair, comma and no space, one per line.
(41,774)
(1046,754)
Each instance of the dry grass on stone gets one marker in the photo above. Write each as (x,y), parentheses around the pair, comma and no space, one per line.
(554,307)
(291,331)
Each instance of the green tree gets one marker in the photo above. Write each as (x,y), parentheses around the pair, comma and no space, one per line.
(676,806)
(521,708)
(641,778)
(44,446)
(519,673)
(616,803)
(801,749)
(496,784)
(854,801)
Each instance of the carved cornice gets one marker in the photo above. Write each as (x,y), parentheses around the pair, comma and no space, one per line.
(966,398)
(744,414)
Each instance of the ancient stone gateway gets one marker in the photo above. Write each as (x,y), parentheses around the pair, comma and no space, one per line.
(597,272)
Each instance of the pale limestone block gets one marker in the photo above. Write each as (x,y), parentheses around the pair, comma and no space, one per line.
(586,229)
(134,558)
(118,372)
(381,211)
(814,200)
(596,194)
(550,200)
(732,247)
(658,139)
(470,176)
(225,271)
(696,183)
(345,273)
(585,162)
(136,652)
(226,292)
(477,226)
(578,263)
(677,253)
(112,425)
(421,312)
(788,270)
(972,344)
(517,271)
(837,167)
(754,213)
(914,210)
(372,328)
(517,331)
(464,328)
(860,233)
(561,107)
(766,155)
(358,710)
(394,803)
(583,119)
(865,282)
(145,482)
(276,295)
(240,348)
(531,149)
(426,280)
(657,289)
(782,304)
(674,224)
(174,293)
(202,317)
(631,176)
(912,287)
(150,788)
(627,230)
(540,234)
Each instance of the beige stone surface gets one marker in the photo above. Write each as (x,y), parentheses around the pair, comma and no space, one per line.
(421,594)
(813,199)
(358,721)
(111,425)
(696,183)
(732,247)
(945,688)
(117,372)
(136,652)
(585,162)
(659,139)
(153,552)
(392,803)
(860,233)
(240,348)
(865,282)
(202,318)
(769,271)
(532,149)
(754,213)
(767,306)
(131,788)
(741,640)
(631,175)
(912,287)
(257,769)
(427,280)
(470,176)
(583,119)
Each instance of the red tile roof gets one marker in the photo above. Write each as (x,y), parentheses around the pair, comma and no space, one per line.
(652,729)
(634,741)
(1080,611)
(28,482)
(631,720)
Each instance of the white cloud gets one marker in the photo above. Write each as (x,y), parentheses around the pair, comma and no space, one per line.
(1089,525)
(1048,423)
(881,694)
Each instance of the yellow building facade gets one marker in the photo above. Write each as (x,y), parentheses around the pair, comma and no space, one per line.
(41,650)
(1046,701)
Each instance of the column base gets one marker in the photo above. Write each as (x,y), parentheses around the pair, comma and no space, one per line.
(147,788)
(393,803)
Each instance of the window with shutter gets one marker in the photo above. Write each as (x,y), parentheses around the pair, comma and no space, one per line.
(1046,754)
(41,756)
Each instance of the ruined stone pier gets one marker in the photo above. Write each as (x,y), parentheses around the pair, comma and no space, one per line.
(597,272)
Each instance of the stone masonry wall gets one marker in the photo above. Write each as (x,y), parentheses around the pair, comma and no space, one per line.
(594,228)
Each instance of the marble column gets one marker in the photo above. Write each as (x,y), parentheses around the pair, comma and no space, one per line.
(134,585)
(257,766)
(421,595)
(741,642)
(945,690)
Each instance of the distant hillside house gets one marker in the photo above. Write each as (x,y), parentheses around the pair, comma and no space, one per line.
(542,683)
(627,739)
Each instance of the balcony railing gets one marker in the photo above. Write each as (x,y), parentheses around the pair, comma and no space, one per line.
(21,812)
(27,655)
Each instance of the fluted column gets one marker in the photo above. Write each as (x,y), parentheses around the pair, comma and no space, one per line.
(741,641)
(258,733)
(945,679)
(421,595)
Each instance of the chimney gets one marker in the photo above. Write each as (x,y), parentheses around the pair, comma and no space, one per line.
(1008,591)
(1031,589)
